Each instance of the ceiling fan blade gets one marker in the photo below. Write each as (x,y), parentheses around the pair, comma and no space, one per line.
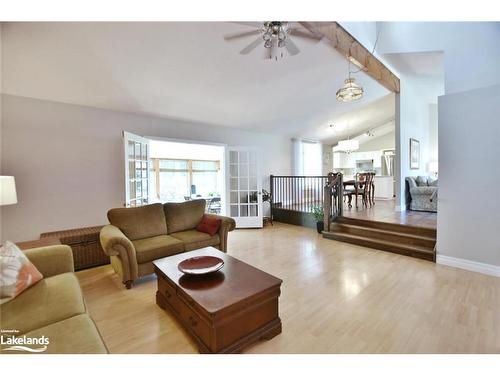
(251,24)
(304,34)
(252,46)
(241,35)
(291,47)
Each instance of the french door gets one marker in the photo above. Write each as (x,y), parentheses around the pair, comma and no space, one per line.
(136,169)
(244,187)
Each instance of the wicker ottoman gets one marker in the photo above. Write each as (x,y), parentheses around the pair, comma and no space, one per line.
(87,250)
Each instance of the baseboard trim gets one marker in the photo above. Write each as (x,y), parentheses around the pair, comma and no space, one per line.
(469,265)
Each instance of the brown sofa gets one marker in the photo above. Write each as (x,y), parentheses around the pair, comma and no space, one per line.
(53,307)
(137,236)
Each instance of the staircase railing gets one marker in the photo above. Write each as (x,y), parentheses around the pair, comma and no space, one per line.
(333,198)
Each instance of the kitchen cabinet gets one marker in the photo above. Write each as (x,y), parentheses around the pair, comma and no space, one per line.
(384,187)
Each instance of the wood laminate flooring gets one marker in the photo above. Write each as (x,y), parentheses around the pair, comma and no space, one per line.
(336,298)
(385,210)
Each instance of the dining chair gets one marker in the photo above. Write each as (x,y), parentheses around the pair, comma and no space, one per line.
(363,186)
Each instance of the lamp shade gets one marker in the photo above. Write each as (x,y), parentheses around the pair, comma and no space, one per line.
(349,145)
(7,190)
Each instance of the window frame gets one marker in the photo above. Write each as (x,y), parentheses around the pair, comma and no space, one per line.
(155,168)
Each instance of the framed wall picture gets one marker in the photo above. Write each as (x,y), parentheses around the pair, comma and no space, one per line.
(414,154)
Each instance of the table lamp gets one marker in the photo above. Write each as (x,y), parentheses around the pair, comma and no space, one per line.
(7,190)
(433,167)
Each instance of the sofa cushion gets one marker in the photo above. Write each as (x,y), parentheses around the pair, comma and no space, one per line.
(193,239)
(139,222)
(432,182)
(421,181)
(185,215)
(76,335)
(149,249)
(50,300)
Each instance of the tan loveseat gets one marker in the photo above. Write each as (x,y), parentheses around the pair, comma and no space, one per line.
(53,307)
(137,236)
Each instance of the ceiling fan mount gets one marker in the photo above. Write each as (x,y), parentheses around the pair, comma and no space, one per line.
(275,37)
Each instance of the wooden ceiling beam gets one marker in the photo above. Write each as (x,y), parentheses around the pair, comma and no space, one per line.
(353,50)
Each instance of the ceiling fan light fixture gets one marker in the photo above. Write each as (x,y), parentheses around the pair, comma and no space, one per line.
(348,145)
(350,92)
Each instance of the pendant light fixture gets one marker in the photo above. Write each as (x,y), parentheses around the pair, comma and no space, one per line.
(350,92)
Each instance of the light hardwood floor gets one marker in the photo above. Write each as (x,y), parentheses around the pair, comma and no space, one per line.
(336,298)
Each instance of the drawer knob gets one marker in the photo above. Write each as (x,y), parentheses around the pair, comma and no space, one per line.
(193,322)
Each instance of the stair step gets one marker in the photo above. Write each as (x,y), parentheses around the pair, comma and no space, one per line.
(399,228)
(394,247)
(383,234)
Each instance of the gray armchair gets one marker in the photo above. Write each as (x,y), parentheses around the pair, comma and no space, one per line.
(421,193)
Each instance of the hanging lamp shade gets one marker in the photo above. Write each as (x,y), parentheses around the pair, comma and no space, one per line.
(350,92)
(349,145)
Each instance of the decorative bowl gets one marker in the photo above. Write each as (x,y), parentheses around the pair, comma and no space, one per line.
(200,265)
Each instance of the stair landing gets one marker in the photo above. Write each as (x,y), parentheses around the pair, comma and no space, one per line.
(417,242)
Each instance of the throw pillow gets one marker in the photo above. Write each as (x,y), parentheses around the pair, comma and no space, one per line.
(433,182)
(421,181)
(209,225)
(17,273)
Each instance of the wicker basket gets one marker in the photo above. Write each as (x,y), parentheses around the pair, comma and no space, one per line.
(87,250)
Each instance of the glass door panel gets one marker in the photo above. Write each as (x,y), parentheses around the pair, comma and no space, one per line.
(245,199)
(136,170)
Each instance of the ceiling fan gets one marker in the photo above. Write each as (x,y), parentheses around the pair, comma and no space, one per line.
(274,36)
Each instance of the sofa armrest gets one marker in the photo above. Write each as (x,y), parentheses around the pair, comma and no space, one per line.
(227,224)
(423,190)
(115,243)
(51,260)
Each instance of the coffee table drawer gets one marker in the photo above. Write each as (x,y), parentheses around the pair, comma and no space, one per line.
(195,323)
(169,292)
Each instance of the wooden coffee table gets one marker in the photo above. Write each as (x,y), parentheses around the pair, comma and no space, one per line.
(223,312)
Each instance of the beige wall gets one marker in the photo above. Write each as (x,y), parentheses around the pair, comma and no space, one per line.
(68,160)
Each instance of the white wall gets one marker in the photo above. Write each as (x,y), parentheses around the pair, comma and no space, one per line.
(383,142)
(68,160)
(433,151)
(469,175)
(471,49)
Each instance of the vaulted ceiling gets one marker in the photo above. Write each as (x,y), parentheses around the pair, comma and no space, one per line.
(184,70)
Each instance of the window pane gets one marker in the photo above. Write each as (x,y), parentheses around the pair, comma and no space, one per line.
(233,157)
(233,184)
(243,157)
(253,183)
(206,183)
(233,171)
(244,170)
(132,189)
(131,149)
(201,165)
(244,210)
(174,186)
(253,197)
(233,197)
(252,170)
(234,210)
(243,197)
(243,183)
(173,164)
(137,150)
(254,210)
